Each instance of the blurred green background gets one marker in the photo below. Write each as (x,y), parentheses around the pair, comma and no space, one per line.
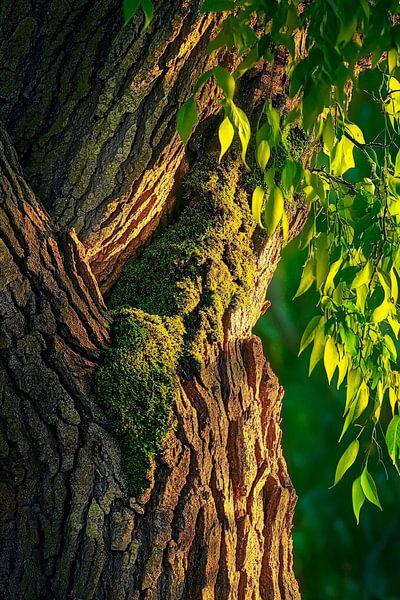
(334,558)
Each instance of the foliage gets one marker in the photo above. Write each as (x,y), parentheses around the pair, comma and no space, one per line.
(353,231)
(332,558)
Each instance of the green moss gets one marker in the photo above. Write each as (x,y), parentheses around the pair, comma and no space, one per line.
(181,287)
(201,265)
(136,386)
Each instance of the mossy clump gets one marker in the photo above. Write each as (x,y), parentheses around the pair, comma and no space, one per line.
(168,303)
(201,265)
(136,386)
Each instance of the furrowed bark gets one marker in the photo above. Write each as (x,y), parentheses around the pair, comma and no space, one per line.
(96,103)
(104,158)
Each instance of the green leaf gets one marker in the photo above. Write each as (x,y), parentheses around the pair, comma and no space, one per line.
(354,379)
(346,461)
(362,401)
(307,277)
(274,120)
(309,333)
(322,259)
(390,345)
(331,357)
(242,125)
(397,165)
(263,154)
(358,498)
(328,134)
(285,226)
(343,365)
(148,10)
(273,210)
(226,133)
(369,488)
(130,8)
(318,349)
(363,276)
(381,312)
(355,132)
(343,159)
(249,62)
(291,174)
(225,81)
(257,204)
(392,438)
(186,119)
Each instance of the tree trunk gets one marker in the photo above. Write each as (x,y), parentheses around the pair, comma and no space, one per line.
(90,108)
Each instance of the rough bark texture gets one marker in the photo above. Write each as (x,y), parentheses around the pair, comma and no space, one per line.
(96,103)
(91,111)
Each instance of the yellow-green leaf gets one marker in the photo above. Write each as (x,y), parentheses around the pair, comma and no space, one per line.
(309,333)
(285,226)
(343,159)
(186,119)
(346,461)
(362,400)
(358,497)
(354,379)
(225,133)
(225,81)
(331,357)
(381,312)
(397,165)
(322,259)
(390,345)
(318,349)
(394,324)
(242,124)
(369,488)
(307,277)
(355,132)
(363,276)
(393,438)
(333,271)
(392,399)
(273,210)
(328,134)
(257,204)
(392,59)
(342,369)
(263,154)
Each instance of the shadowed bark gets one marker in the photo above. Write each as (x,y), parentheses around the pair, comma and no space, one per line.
(91,111)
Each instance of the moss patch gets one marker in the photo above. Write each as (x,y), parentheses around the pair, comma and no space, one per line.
(168,303)
(200,266)
(137,384)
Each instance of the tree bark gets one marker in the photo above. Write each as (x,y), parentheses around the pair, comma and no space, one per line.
(91,111)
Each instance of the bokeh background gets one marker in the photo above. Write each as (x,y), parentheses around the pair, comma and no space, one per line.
(334,558)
